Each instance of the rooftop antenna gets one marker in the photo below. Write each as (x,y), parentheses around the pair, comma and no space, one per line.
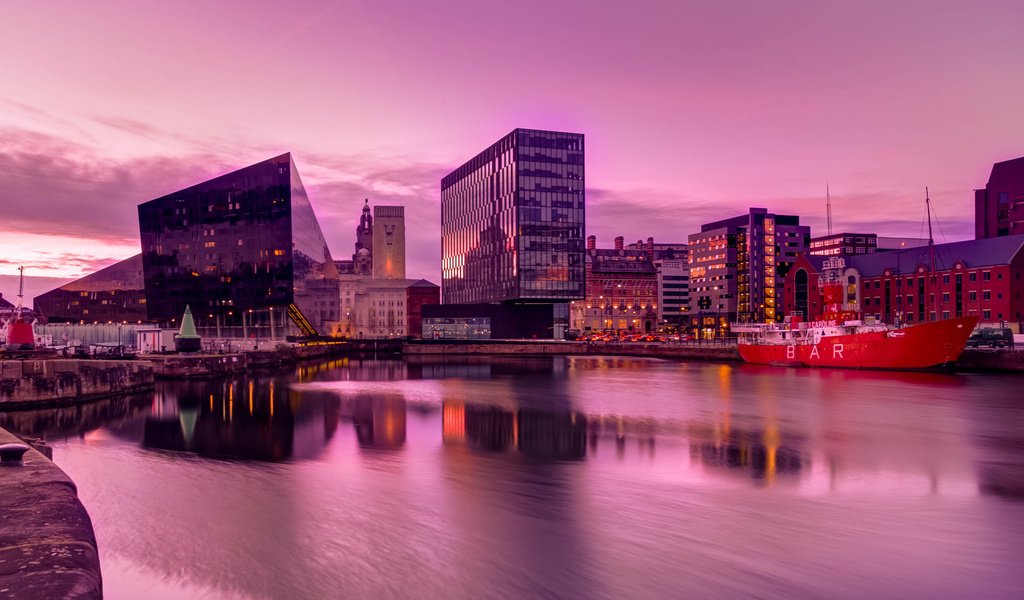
(828,207)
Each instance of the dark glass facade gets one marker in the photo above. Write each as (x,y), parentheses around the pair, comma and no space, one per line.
(239,243)
(112,294)
(512,221)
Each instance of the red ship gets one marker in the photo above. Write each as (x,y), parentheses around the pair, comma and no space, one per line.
(19,331)
(843,339)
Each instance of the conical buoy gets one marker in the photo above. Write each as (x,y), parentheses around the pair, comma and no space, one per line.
(188,339)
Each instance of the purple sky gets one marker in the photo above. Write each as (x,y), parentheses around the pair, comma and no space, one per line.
(693,111)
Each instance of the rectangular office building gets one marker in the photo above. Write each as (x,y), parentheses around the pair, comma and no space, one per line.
(512,222)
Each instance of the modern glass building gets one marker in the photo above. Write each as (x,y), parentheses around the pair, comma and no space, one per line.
(512,222)
(244,250)
(112,294)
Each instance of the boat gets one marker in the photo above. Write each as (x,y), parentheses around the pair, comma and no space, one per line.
(843,339)
(19,334)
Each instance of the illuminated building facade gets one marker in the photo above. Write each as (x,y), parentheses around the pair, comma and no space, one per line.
(844,244)
(622,291)
(738,267)
(388,249)
(115,293)
(244,250)
(512,222)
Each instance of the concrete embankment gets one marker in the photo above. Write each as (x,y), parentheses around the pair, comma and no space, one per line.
(30,382)
(47,544)
(209,366)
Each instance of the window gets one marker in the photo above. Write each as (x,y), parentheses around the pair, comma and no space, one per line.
(986,295)
(986,275)
(973,276)
(945,279)
(986,314)
(945,296)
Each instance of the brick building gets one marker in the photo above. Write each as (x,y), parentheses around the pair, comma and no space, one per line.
(621,290)
(975,277)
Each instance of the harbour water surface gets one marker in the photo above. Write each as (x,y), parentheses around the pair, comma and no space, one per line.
(556,478)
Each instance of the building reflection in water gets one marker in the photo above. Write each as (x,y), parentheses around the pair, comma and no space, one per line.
(536,433)
(761,453)
(241,418)
(379,420)
(54,423)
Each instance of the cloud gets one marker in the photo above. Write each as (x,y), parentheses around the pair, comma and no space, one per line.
(34,286)
(55,186)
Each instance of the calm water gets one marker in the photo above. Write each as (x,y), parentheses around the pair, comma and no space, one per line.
(554,478)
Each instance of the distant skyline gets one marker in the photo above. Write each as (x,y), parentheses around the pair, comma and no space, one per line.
(692,111)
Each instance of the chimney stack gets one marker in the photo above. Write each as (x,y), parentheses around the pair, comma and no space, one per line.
(619,242)
(591,242)
(650,248)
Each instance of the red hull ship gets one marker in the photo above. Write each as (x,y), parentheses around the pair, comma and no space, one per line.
(20,335)
(843,340)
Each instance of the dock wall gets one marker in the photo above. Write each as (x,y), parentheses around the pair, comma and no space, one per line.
(47,544)
(25,383)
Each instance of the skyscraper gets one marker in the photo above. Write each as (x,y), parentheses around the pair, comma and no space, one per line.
(388,251)
(512,222)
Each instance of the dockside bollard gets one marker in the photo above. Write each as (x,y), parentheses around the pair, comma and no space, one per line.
(11,454)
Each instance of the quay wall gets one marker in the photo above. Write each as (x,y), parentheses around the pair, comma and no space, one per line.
(29,382)
(493,347)
(47,544)
(723,352)
(981,359)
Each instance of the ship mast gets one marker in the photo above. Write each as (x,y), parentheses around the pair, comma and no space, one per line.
(931,254)
(21,290)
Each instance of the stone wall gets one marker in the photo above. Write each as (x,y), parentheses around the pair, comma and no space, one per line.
(25,383)
(47,544)
(983,359)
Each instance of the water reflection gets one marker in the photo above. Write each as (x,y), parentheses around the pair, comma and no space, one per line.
(379,421)
(240,418)
(77,420)
(556,477)
(556,435)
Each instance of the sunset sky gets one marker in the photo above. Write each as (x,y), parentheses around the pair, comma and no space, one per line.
(693,111)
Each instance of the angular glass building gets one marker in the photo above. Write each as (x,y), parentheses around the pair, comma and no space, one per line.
(244,250)
(512,222)
(112,294)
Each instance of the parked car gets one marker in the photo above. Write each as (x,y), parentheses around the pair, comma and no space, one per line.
(991,338)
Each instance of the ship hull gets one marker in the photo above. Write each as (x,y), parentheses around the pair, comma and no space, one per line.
(916,347)
(20,336)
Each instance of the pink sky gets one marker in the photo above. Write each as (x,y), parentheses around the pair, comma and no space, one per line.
(693,111)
